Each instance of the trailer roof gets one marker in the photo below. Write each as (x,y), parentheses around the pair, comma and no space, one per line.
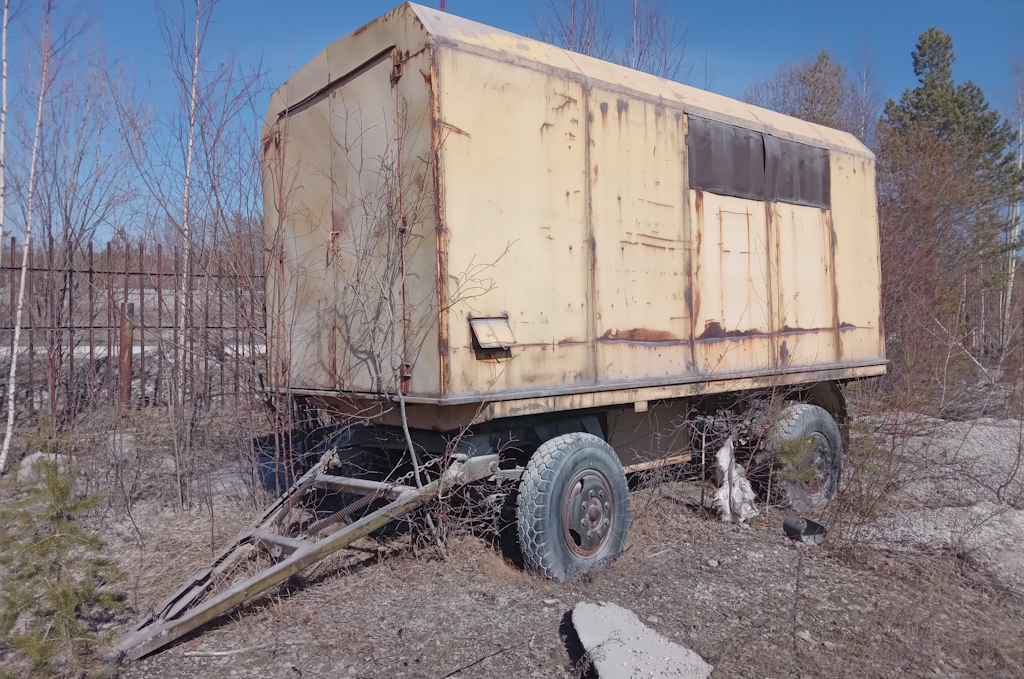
(469,36)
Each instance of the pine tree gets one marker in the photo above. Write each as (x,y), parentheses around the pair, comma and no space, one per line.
(957,115)
(56,589)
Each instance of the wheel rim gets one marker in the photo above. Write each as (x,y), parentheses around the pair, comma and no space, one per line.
(588,512)
(818,457)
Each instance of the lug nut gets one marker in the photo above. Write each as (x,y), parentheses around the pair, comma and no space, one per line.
(607,522)
(583,522)
(590,534)
(607,506)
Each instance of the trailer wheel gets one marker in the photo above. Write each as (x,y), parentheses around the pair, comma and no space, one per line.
(572,512)
(808,450)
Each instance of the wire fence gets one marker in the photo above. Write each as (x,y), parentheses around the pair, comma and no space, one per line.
(128,325)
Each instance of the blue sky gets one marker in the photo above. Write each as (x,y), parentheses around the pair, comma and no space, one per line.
(744,40)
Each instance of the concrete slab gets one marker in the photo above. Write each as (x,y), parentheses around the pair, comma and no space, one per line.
(622,647)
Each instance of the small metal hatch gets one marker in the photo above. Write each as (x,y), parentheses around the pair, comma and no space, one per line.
(492,332)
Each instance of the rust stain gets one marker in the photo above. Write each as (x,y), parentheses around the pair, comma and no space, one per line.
(639,335)
(713,331)
(545,126)
(592,287)
(773,274)
(847,326)
(338,224)
(786,330)
(826,218)
(332,354)
(439,227)
(604,112)
(360,29)
(456,130)
(568,100)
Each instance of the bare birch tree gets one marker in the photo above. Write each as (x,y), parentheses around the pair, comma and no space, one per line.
(186,283)
(3,123)
(44,81)
(578,26)
(654,41)
(1013,238)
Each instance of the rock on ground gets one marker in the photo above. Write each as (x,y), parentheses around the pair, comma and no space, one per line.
(621,647)
(27,470)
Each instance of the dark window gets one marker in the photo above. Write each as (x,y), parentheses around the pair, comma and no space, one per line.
(796,173)
(726,159)
(735,161)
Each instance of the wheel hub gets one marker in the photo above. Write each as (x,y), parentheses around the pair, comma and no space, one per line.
(818,457)
(587,512)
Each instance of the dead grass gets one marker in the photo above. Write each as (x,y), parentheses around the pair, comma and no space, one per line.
(750,601)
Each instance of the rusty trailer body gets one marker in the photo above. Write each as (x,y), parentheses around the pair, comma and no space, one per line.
(499,227)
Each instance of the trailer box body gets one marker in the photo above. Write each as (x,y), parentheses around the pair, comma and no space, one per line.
(494,227)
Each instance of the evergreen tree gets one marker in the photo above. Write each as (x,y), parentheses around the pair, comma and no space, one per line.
(946,176)
(958,115)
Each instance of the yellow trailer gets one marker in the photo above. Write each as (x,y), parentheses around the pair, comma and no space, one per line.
(490,260)
(572,233)
(475,234)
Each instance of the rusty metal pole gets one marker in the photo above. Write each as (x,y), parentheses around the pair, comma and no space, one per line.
(125,358)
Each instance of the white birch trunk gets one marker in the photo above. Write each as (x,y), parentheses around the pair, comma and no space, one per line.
(28,230)
(1015,230)
(185,276)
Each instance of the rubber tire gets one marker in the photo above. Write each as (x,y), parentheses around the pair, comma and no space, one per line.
(799,421)
(540,501)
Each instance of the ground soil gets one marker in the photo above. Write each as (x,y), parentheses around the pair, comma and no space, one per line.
(868,603)
(922,574)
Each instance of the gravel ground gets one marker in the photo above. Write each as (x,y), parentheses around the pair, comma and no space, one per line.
(964,494)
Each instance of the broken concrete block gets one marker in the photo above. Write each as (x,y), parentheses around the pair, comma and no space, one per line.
(622,647)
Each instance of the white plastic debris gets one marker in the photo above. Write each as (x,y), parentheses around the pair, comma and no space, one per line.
(735,497)
(622,647)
